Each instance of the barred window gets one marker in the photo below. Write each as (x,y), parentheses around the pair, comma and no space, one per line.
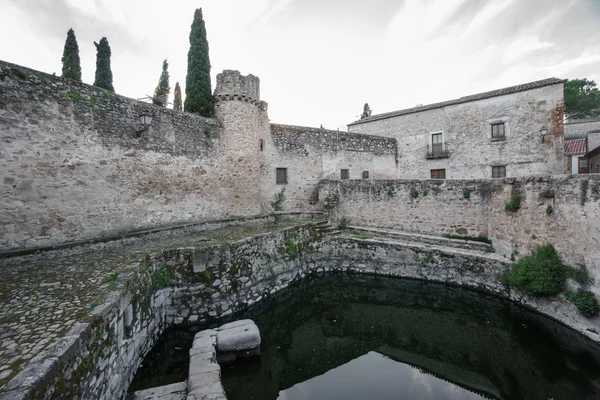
(282,176)
(498,131)
(499,171)
(345,174)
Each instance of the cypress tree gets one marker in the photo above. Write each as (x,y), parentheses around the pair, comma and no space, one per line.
(161,93)
(198,93)
(104,77)
(71,64)
(177,104)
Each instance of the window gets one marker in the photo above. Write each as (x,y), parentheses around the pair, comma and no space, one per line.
(438,174)
(498,131)
(583,163)
(262,144)
(365,175)
(499,171)
(345,174)
(282,176)
(437,145)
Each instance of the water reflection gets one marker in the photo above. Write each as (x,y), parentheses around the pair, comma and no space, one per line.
(387,380)
(328,337)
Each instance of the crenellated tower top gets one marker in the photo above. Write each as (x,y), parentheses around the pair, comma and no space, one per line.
(232,85)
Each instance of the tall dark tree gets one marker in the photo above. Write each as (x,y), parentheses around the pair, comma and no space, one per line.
(162,91)
(71,64)
(582,99)
(198,92)
(104,76)
(177,103)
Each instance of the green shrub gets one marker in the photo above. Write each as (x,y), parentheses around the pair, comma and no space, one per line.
(586,302)
(161,277)
(540,274)
(514,204)
(549,209)
(414,193)
(391,191)
(343,223)
(467,193)
(277,204)
(578,275)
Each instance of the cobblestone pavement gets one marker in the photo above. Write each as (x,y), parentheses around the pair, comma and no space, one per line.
(43,296)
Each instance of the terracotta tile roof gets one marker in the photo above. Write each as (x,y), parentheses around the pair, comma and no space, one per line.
(466,99)
(575,146)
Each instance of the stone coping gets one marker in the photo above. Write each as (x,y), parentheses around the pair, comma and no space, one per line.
(420,237)
(140,233)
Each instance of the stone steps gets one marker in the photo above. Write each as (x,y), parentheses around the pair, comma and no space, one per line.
(447,250)
(328,230)
(422,238)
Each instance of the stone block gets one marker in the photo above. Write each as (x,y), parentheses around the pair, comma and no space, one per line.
(238,336)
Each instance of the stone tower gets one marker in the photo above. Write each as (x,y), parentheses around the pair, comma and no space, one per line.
(245,125)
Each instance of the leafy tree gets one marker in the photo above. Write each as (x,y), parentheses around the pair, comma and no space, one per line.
(198,93)
(104,77)
(161,93)
(177,103)
(71,64)
(582,99)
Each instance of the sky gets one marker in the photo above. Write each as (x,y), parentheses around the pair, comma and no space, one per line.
(319,61)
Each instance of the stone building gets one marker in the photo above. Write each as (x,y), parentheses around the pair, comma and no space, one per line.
(582,145)
(515,131)
(79,162)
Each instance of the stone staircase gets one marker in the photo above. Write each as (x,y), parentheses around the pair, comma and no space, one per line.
(326,229)
(406,237)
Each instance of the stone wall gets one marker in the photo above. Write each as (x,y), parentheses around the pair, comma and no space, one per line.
(476,207)
(98,359)
(312,154)
(580,127)
(76,162)
(466,130)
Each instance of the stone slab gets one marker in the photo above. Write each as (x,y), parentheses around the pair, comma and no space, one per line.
(243,335)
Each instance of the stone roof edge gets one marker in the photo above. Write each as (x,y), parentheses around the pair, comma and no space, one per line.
(582,121)
(465,99)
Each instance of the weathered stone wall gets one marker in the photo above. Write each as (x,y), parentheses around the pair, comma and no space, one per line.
(97,360)
(466,131)
(312,154)
(579,128)
(76,163)
(437,207)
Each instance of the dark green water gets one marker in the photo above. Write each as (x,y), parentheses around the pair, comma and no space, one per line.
(362,337)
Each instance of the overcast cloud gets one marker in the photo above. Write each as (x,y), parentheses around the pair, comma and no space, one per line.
(319,61)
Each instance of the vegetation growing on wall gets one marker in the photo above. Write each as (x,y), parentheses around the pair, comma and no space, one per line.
(277,204)
(343,223)
(467,194)
(586,302)
(71,64)
(542,273)
(198,92)
(514,204)
(549,209)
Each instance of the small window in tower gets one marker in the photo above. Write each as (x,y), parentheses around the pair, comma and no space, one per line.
(281,178)
(262,144)
(345,174)
(365,174)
